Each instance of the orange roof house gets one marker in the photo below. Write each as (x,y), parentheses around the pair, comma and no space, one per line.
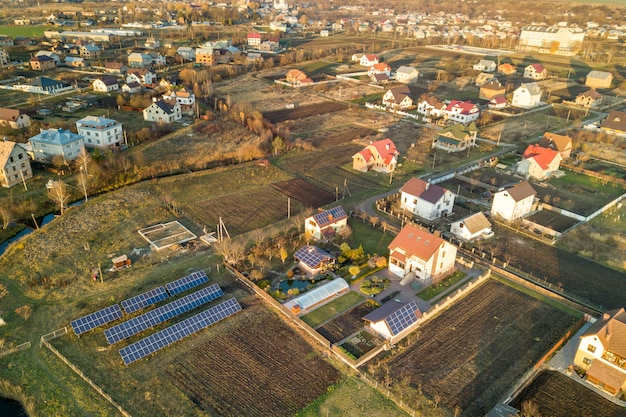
(378,156)
(560,143)
(539,162)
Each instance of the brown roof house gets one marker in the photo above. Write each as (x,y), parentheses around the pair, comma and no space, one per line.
(381,156)
(418,254)
(472,227)
(589,98)
(560,143)
(14,118)
(514,203)
(426,200)
(399,97)
(297,77)
(41,63)
(491,89)
(615,123)
(14,164)
(602,352)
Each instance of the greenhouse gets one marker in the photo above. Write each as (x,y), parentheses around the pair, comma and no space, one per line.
(319,295)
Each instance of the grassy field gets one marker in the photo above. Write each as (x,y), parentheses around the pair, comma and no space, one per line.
(31,31)
(434,290)
(373,240)
(327,311)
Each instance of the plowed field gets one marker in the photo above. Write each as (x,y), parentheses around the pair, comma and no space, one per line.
(306,193)
(302,112)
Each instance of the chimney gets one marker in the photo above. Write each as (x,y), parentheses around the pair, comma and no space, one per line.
(437,233)
(387,146)
(428,185)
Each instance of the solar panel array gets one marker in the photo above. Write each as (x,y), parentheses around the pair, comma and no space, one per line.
(174,333)
(93,320)
(311,255)
(160,314)
(144,300)
(187,282)
(402,318)
(330,215)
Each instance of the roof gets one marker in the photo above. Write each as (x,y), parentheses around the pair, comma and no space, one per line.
(611,330)
(95,122)
(384,311)
(133,84)
(466,107)
(400,92)
(296,74)
(46,82)
(9,114)
(312,256)
(616,120)
(91,47)
(543,156)
(41,58)
(165,106)
(592,93)
(558,142)
(321,293)
(6,147)
(56,136)
(492,85)
(415,242)
(330,216)
(458,131)
(476,222)
(521,191)
(536,67)
(424,190)
(381,66)
(599,75)
(114,65)
(498,100)
(432,101)
(371,57)
(385,149)
(533,88)
(506,68)
(254,35)
(609,375)
(108,80)
(486,62)
(404,69)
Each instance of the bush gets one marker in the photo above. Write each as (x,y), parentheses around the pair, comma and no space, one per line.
(374,285)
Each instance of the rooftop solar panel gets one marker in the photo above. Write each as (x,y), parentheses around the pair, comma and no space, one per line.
(311,256)
(329,216)
(93,320)
(174,333)
(160,314)
(402,318)
(187,282)
(144,300)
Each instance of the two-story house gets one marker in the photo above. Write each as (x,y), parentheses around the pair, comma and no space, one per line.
(538,162)
(527,96)
(615,123)
(515,202)
(139,60)
(381,156)
(142,76)
(14,118)
(100,132)
(41,63)
(52,142)
(560,143)
(367,60)
(430,106)
(105,84)
(462,111)
(327,223)
(162,111)
(90,51)
(398,98)
(254,39)
(406,74)
(456,138)
(426,200)
(186,100)
(14,164)
(535,71)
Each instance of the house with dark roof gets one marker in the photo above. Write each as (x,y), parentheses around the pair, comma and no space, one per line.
(431,106)
(14,118)
(327,223)
(381,156)
(589,98)
(456,138)
(106,84)
(514,203)
(132,87)
(602,352)
(161,111)
(560,143)
(535,71)
(393,318)
(491,89)
(615,123)
(115,67)
(313,259)
(43,85)
(415,253)
(426,200)
(41,63)
(472,227)
(538,162)
(398,98)
(599,79)
(14,164)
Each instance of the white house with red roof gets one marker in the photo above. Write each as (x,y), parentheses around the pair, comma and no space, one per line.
(379,68)
(602,352)
(327,223)
(462,111)
(426,200)
(368,60)
(535,71)
(514,203)
(381,156)
(254,39)
(539,162)
(421,254)
(498,102)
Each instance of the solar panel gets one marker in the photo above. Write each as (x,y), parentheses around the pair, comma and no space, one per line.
(93,320)
(402,318)
(187,282)
(174,333)
(160,314)
(330,215)
(311,255)
(144,300)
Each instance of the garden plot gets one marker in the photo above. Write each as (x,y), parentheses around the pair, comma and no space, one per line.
(164,235)
(346,324)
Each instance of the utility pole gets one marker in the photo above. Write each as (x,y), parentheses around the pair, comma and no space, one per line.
(34,221)
(23,180)
(289,207)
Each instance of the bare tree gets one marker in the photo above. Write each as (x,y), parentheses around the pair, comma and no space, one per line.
(5,214)
(83,183)
(59,193)
(83,159)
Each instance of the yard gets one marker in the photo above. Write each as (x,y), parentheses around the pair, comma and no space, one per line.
(346,323)
(434,290)
(471,354)
(326,312)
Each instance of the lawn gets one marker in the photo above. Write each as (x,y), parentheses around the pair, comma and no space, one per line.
(328,311)
(31,31)
(434,290)
(319,67)
(370,98)
(373,240)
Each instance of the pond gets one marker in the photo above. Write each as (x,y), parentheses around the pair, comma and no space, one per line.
(287,285)
(11,408)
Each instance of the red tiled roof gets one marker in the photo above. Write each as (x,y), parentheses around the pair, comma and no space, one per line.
(9,114)
(254,35)
(381,66)
(543,156)
(415,241)
(498,100)
(537,67)
(465,106)
(371,57)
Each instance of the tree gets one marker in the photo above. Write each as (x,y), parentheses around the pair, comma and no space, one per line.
(283,254)
(83,182)
(83,159)
(58,161)
(354,270)
(59,194)
(5,214)
(554,46)
(277,145)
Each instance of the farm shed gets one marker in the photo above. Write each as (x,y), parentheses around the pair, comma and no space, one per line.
(393,317)
(317,296)
(313,259)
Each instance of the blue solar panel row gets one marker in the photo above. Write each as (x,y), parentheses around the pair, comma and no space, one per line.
(93,320)
(160,314)
(174,333)
(187,282)
(402,318)
(144,300)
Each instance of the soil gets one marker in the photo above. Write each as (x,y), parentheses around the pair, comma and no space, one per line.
(346,324)
(308,194)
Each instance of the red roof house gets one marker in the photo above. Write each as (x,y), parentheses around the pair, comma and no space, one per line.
(539,162)
(378,156)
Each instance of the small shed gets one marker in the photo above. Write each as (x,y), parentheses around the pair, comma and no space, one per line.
(121,262)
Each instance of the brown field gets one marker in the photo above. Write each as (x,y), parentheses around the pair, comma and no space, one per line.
(556,395)
(472,353)
(346,324)
(308,194)
(553,220)
(256,367)
(301,112)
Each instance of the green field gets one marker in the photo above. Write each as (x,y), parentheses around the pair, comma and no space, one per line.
(327,311)
(32,31)
(434,290)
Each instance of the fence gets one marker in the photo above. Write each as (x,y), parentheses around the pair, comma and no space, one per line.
(16,349)
(391,110)
(83,376)
(561,341)
(54,334)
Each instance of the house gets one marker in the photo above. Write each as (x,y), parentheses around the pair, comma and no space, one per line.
(313,259)
(14,164)
(4,58)
(56,142)
(393,317)
(157,60)
(6,41)
(406,74)
(456,138)
(254,39)
(398,98)
(324,33)
(513,203)
(131,88)
(50,54)
(485,65)
(14,118)
(430,106)
(187,53)
(589,98)
(527,96)
(357,57)
(417,253)
(326,224)
(507,69)
(499,102)
(41,63)
(43,85)
(75,62)
(142,76)
(100,132)
(472,227)
(599,79)
(602,352)
(90,51)
(461,111)
(560,143)
(115,67)
(491,89)
(379,68)
(139,60)
(186,100)
(206,57)
(105,84)
(278,26)
(296,77)
(161,111)
(538,162)
(367,60)
(381,156)
(535,71)
(426,200)
(615,123)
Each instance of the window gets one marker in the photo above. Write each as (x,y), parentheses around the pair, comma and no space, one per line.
(587,361)
(20,156)
(591,348)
